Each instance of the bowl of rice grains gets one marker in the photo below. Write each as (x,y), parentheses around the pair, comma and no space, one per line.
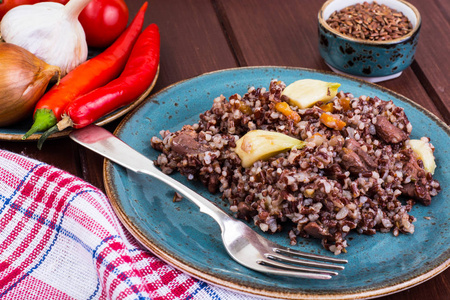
(374,41)
(307,160)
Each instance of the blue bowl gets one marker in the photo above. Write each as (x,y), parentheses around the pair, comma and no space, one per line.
(378,60)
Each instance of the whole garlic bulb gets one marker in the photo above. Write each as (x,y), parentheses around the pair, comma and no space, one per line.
(49,30)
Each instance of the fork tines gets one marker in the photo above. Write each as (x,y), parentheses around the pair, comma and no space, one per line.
(285,260)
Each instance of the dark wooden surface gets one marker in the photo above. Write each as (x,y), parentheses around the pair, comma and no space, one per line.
(206,35)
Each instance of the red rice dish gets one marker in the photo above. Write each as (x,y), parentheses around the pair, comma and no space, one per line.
(364,177)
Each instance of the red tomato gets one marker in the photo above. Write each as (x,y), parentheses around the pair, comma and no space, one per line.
(103,21)
(60,1)
(6,5)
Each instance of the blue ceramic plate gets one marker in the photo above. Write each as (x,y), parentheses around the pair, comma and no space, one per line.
(189,240)
(17,130)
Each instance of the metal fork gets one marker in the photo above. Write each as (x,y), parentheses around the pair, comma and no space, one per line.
(242,243)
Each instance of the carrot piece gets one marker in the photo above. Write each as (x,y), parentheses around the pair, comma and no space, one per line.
(345,103)
(332,121)
(327,107)
(286,110)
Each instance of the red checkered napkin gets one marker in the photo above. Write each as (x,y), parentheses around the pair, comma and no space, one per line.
(60,239)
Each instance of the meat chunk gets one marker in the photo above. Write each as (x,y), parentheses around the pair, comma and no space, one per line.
(388,132)
(355,159)
(418,191)
(368,160)
(213,183)
(334,171)
(352,162)
(186,142)
(412,168)
(245,211)
(314,230)
(419,186)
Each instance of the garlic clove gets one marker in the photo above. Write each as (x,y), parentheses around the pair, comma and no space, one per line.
(306,92)
(23,80)
(261,144)
(49,30)
(424,151)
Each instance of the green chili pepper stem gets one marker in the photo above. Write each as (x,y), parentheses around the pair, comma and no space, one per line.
(44,119)
(45,135)
(65,122)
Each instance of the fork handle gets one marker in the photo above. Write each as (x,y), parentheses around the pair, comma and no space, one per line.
(108,145)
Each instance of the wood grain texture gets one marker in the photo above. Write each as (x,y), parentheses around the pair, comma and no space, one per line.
(433,52)
(199,36)
(192,43)
(60,153)
(410,86)
(192,40)
(277,36)
(285,35)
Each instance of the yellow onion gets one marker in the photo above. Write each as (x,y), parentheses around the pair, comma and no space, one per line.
(23,80)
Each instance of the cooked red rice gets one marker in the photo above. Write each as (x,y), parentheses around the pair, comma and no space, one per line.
(363,178)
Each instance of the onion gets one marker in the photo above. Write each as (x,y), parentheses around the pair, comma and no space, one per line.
(23,80)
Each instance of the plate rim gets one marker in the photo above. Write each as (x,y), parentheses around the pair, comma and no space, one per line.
(107,119)
(230,285)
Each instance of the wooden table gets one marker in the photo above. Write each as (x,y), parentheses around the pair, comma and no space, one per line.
(207,35)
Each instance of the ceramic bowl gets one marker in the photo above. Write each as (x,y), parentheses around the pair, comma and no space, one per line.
(371,60)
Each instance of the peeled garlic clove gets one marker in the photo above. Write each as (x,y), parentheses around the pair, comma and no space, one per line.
(424,151)
(306,92)
(49,30)
(261,144)
(23,81)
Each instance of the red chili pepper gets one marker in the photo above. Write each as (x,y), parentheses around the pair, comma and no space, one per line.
(140,71)
(88,76)
(137,76)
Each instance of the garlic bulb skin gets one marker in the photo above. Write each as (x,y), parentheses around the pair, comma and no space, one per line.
(49,30)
